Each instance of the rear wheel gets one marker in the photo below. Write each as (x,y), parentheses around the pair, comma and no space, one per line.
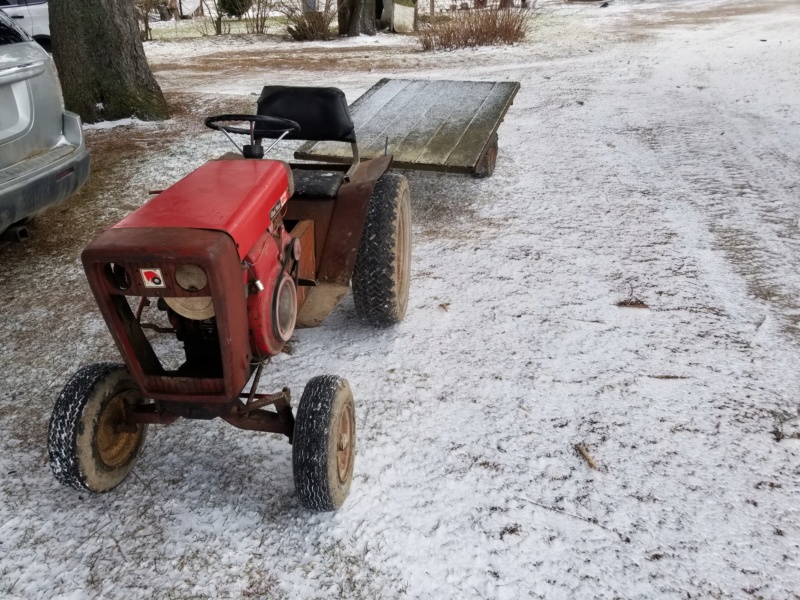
(324,443)
(90,446)
(382,271)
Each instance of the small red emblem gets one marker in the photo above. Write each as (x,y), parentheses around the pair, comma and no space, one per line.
(152,278)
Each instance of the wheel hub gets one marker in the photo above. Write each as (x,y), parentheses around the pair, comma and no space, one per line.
(401,262)
(116,440)
(344,448)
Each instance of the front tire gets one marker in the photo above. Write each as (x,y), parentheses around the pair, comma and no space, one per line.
(382,271)
(324,443)
(90,446)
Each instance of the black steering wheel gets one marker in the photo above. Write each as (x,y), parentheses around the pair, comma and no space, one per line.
(267,126)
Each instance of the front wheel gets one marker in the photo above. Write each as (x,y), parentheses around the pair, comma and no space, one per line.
(382,271)
(90,446)
(324,443)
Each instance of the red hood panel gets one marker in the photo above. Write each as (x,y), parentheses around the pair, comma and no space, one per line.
(234,196)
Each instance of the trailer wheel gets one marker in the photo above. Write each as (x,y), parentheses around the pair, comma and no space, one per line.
(382,271)
(486,167)
(89,445)
(324,443)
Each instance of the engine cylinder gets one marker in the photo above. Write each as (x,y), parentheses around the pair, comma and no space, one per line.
(272,310)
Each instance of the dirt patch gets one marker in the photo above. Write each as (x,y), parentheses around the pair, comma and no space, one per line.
(708,16)
(442,204)
(744,251)
(323,59)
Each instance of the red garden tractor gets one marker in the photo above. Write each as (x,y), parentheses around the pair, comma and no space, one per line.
(224,265)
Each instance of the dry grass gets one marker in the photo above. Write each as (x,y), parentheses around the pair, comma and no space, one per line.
(472,28)
(353,59)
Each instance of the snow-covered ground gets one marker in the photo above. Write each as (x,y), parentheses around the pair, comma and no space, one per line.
(652,154)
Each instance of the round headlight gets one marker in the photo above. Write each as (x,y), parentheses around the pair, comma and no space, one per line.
(191,278)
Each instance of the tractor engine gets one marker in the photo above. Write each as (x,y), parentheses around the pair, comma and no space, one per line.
(271,278)
(214,253)
(269,273)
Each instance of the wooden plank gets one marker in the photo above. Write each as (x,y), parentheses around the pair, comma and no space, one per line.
(445,139)
(371,135)
(470,97)
(370,117)
(487,119)
(431,125)
(428,115)
(417,119)
(365,107)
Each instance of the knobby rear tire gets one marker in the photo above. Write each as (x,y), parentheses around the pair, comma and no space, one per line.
(382,271)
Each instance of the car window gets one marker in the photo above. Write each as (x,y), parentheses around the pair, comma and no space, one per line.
(8,3)
(9,34)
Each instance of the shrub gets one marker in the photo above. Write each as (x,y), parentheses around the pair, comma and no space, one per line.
(480,27)
(257,20)
(234,8)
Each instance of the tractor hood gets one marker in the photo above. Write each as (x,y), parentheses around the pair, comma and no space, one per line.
(233,196)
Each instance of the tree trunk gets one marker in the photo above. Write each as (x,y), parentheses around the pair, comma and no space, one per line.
(368,17)
(343,11)
(164,12)
(101,61)
(146,35)
(356,17)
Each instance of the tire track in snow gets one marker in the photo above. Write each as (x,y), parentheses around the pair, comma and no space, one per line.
(740,173)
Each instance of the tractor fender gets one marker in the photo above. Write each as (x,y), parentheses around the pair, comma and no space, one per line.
(347,222)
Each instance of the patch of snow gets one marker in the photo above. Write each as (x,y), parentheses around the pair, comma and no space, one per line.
(112,124)
(673,181)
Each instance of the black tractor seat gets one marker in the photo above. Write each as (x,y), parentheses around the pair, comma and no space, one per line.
(312,183)
(323,115)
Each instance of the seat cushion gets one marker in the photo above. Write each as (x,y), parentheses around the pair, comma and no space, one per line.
(317,184)
(321,112)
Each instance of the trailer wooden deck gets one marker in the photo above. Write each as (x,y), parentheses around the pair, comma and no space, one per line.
(430,125)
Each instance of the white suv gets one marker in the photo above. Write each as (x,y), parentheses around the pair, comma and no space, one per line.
(43,158)
(32,17)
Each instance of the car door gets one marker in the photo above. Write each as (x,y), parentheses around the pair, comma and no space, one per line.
(19,12)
